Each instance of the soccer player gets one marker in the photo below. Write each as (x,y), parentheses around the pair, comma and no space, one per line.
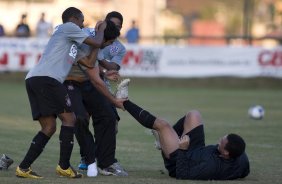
(48,96)
(104,115)
(184,151)
(75,83)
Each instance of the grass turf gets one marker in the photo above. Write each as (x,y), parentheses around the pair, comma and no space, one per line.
(224,110)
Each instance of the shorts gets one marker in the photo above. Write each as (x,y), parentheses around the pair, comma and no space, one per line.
(47,97)
(197,139)
(74,90)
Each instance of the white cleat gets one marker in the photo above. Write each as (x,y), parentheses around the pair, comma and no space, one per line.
(157,139)
(122,89)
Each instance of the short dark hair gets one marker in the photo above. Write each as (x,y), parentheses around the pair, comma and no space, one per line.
(235,146)
(70,12)
(115,14)
(111,32)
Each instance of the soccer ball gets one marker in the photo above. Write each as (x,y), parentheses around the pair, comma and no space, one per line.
(256,112)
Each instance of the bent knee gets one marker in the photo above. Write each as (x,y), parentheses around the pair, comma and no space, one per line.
(194,117)
(161,124)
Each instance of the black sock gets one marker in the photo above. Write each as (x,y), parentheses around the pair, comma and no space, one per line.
(36,147)
(142,116)
(66,146)
(179,126)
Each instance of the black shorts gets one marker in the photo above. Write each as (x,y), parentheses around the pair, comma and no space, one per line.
(74,90)
(197,139)
(47,97)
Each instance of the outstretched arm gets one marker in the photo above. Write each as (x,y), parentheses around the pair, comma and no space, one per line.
(102,88)
(93,74)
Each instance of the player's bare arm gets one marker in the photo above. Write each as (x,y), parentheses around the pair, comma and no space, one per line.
(94,76)
(99,37)
(96,80)
(109,65)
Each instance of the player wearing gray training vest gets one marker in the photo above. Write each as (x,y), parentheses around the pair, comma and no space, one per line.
(48,96)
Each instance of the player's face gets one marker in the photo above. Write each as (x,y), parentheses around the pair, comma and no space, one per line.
(107,43)
(117,22)
(221,145)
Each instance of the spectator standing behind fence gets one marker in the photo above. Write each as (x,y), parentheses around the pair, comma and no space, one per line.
(2,31)
(132,35)
(43,28)
(22,29)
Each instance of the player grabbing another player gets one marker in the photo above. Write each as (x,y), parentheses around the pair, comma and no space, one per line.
(184,151)
(104,115)
(75,84)
(48,96)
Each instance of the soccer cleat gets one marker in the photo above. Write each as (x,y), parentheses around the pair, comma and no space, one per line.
(5,162)
(122,89)
(115,169)
(157,139)
(27,173)
(82,165)
(69,172)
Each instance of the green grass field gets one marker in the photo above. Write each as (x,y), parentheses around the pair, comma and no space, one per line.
(223,106)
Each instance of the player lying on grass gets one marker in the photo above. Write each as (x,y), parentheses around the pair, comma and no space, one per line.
(184,151)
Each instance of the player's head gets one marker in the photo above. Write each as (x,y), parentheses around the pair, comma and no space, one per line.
(231,145)
(110,33)
(74,15)
(115,17)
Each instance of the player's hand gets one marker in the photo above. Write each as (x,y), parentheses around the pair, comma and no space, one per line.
(101,25)
(184,142)
(112,75)
(119,103)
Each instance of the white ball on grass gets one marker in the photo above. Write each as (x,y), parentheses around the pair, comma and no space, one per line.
(256,112)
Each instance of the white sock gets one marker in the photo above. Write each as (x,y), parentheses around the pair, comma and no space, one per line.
(92,170)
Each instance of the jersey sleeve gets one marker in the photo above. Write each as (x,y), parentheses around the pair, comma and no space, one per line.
(118,58)
(74,33)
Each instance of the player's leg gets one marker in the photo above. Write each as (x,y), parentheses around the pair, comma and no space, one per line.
(82,133)
(169,140)
(168,137)
(190,121)
(66,138)
(104,124)
(48,127)
(62,107)
(35,87)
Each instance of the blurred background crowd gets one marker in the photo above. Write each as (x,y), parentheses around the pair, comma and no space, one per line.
(204,22)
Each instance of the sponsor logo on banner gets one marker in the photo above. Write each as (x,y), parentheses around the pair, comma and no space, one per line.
(141,60)
(270,62)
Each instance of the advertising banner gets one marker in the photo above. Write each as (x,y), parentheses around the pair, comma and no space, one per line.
(20,54)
